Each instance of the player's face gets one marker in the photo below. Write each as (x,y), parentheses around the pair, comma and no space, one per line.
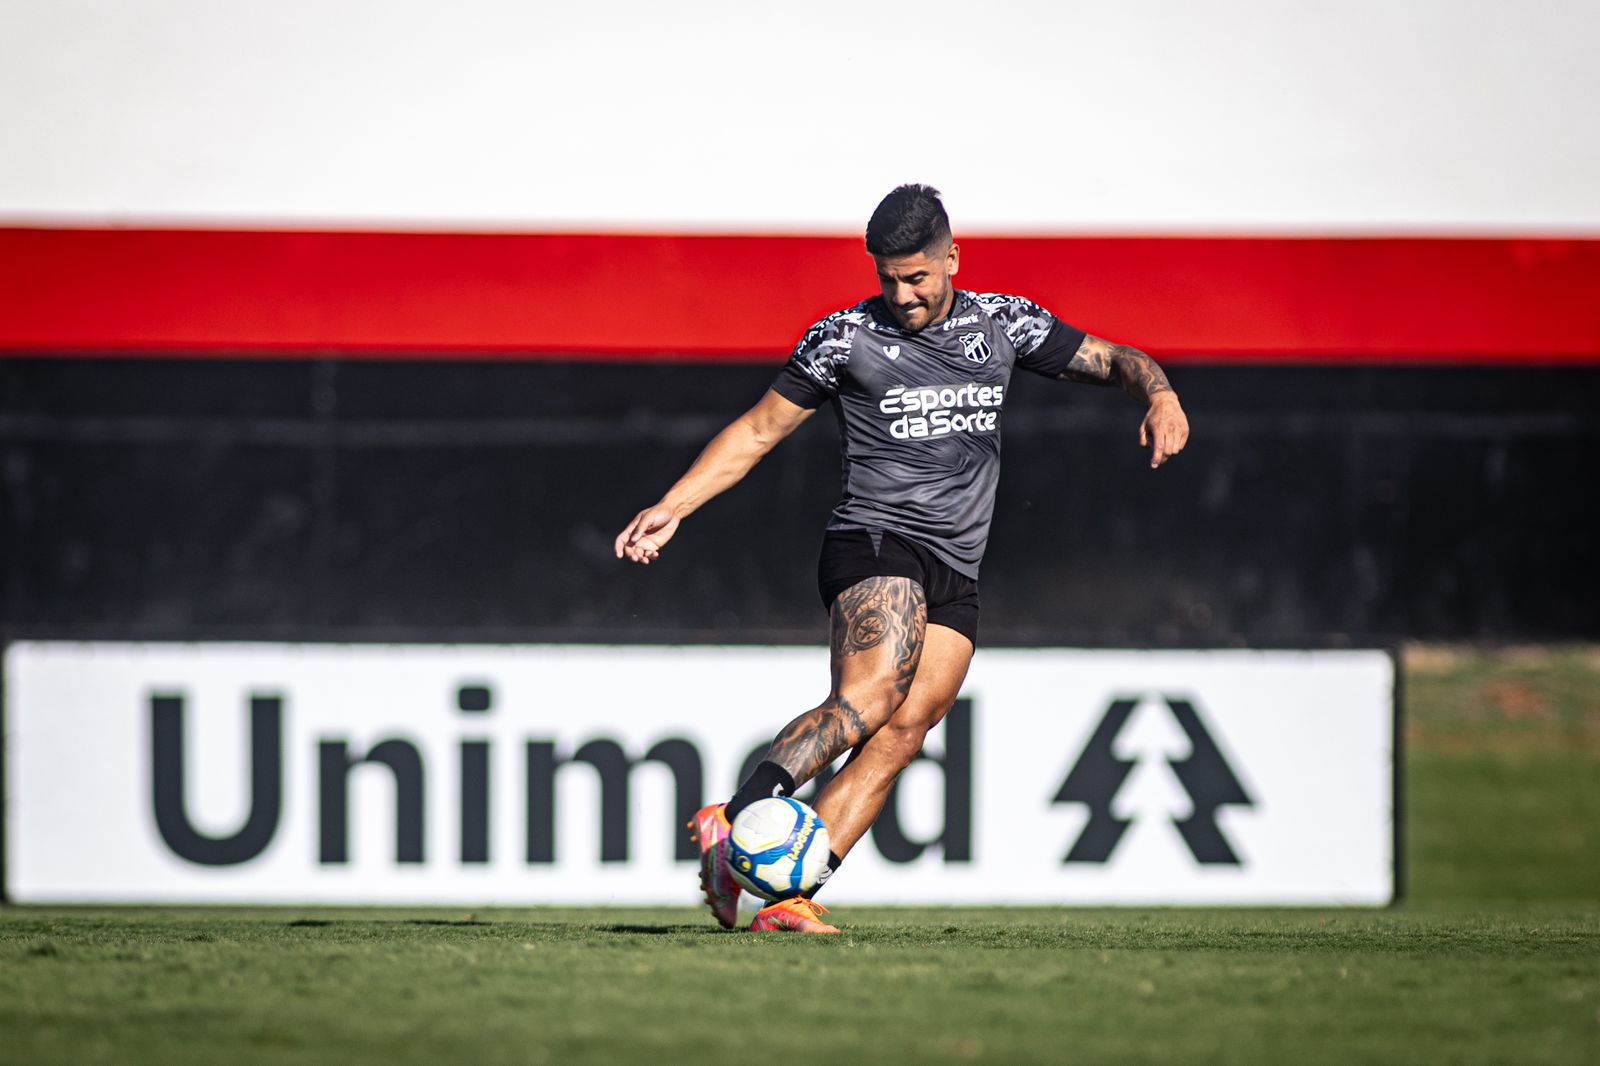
(917,287)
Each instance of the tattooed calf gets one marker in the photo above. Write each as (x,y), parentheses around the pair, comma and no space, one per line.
(818,737)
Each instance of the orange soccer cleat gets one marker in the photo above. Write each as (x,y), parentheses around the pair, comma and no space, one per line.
(798,915)
(710,830)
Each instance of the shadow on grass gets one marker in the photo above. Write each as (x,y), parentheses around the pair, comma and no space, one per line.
(319,923)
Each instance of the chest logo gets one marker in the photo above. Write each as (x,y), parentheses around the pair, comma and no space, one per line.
(975,346)
(892,351)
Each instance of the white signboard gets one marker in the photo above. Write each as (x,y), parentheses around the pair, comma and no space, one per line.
(255,773)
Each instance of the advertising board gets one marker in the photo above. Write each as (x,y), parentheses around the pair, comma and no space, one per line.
(476,775)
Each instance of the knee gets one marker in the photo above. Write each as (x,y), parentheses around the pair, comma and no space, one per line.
(901,741)
(903,735)
(868,710)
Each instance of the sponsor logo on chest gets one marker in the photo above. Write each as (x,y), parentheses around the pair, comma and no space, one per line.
(940,410)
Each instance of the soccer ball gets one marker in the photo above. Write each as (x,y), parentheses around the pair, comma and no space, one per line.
(778,848)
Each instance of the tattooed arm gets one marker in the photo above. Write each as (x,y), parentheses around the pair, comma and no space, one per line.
(1099,362)
(723,464)
(1165,429)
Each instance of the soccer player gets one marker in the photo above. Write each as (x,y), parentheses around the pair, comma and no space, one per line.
(918,377)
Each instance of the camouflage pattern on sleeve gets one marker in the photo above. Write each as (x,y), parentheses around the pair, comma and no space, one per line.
(825,349)
(1026,324)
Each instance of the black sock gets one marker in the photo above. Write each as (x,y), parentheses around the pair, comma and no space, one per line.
(833,864)
(768,779)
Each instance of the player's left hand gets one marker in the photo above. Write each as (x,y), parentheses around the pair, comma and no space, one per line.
(1165,429)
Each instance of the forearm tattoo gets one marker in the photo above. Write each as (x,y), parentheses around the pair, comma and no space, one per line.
(883,614)
(1101,363)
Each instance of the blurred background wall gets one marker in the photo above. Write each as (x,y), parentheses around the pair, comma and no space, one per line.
(379,320)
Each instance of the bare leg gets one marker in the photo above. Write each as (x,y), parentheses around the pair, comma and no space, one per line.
(877,632)
(852,800)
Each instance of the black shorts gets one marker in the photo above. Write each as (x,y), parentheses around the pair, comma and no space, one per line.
(850,556)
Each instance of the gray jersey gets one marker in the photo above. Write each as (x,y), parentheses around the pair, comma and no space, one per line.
(919,413)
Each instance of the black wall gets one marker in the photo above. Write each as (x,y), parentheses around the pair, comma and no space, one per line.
(177,499)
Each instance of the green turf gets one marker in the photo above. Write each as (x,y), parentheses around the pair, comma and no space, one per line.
(1020,986)
(1492,827)
(1502,774)
(1493,958)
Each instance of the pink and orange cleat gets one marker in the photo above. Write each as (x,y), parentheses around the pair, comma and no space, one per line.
(798,915)
(710,830)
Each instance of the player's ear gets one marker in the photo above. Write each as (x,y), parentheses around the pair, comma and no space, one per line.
(953,259)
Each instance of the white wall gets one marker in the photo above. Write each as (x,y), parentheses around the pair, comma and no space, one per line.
(1143,116)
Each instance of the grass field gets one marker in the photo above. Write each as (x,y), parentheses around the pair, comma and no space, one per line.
(1493,958)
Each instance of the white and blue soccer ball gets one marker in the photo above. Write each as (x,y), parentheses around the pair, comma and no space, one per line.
(778,848)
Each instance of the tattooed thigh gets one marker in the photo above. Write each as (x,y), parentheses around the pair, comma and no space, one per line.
(884,614)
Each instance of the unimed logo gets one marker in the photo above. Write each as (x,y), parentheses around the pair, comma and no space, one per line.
(542,761)
(479,775)
(1098,776)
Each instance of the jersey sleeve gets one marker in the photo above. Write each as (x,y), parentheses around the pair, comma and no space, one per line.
(1044,344)
(811,376)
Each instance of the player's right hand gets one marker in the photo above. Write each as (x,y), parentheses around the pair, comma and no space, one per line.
(642,539)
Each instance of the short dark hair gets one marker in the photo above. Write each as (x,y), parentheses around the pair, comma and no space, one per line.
(909,220)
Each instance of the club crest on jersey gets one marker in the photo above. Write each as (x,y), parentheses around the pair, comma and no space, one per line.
(892,351)
(975,346)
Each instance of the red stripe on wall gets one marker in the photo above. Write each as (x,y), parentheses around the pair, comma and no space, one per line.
(296,294)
